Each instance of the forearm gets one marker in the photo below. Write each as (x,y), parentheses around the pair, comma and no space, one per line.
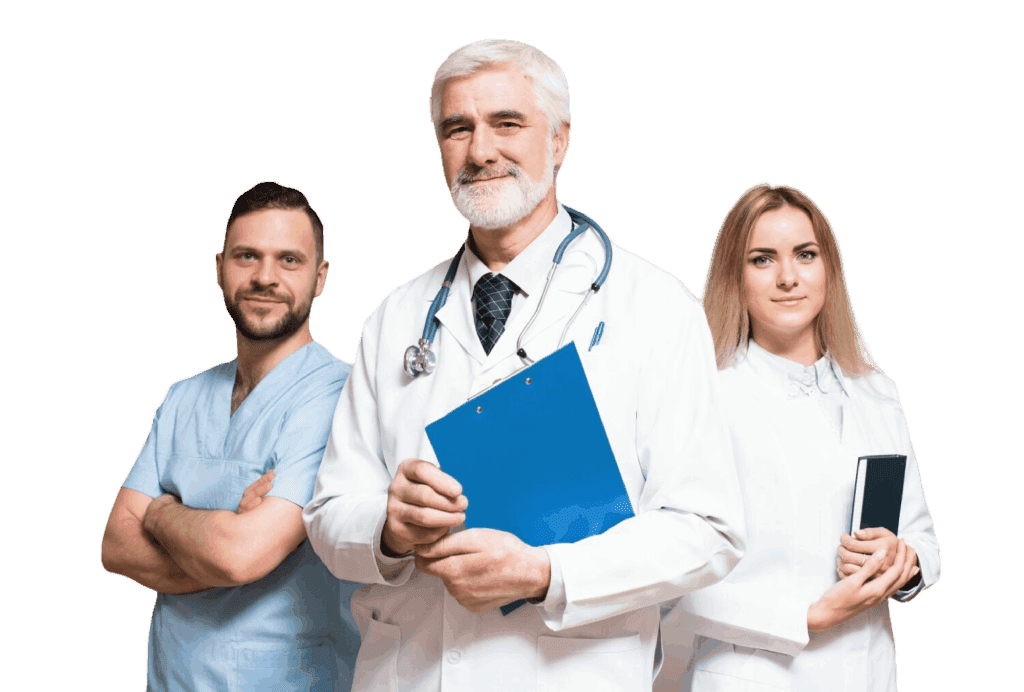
(700,556)
(201,542)
(135,554)
(345,531)
(757,610)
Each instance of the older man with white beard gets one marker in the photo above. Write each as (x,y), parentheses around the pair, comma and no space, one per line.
(383,510)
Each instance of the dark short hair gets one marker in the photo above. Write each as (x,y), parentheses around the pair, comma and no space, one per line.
(273,196)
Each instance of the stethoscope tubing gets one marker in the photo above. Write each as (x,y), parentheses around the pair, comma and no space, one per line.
(422,353)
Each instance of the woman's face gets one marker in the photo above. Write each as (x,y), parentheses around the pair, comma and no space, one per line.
(784,280)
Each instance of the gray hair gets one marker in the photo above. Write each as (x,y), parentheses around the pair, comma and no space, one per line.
(549,84)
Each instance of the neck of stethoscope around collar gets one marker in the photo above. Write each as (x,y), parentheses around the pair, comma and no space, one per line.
(581,223)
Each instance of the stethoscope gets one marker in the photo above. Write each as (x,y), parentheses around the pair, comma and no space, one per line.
(420,360)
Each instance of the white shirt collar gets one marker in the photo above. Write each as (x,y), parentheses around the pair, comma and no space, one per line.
(825,373)
(529,269)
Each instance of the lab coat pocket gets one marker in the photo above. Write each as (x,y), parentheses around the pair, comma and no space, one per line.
(740,669)
(311,669)
(377,662)
(591,665)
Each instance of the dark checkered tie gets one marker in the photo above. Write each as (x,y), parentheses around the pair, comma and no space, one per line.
(493,296)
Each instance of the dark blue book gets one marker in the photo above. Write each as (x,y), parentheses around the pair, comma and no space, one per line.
(878,493)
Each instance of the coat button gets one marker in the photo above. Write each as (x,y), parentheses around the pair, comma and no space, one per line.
(454,655)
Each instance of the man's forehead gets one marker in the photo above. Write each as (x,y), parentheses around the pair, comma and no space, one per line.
(271,227)
(502,86)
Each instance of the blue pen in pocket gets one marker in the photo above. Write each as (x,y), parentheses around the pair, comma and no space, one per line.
(596,339)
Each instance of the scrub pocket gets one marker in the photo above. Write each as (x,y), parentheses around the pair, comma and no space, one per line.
(377,662)
(592,665)
(312,669)
(208,483)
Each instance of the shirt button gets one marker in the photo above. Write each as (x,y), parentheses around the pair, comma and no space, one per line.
(454,655)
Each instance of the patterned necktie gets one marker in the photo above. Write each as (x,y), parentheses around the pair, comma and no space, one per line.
(493,297)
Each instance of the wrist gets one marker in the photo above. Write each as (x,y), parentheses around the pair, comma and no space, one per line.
(817,618)
(542,575)
(386,545)
(151,520)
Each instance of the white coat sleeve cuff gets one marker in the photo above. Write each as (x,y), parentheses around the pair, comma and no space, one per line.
(554,601)
(904,595)
(390,568)
(928,574)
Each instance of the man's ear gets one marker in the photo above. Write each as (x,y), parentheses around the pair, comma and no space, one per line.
(561,139)
(220,263)
(321,278)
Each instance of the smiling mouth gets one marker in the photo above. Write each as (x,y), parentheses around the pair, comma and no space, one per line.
(487,180)
(255,299)
(787,301)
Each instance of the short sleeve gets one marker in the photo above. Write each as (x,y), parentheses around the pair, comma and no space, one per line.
(300,446)
(145,474)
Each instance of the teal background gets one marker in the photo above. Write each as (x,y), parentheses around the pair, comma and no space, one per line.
(129,129)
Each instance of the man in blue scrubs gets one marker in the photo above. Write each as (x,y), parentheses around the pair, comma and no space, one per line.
(210,516)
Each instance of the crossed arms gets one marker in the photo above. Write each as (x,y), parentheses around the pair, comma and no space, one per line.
(171,548)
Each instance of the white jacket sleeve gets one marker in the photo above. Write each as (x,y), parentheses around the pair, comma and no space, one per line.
(345,518)
(916,527)
(688,529)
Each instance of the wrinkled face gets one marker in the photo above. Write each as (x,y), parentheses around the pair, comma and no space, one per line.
(269,274)
(784,279)
(498,157)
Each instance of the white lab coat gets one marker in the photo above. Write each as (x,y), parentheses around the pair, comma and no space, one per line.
(797,478)
(653,378)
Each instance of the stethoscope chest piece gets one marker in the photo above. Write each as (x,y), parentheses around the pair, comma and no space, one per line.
(420,360)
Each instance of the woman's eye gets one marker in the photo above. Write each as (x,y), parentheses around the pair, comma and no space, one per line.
(807,255)
(760,260)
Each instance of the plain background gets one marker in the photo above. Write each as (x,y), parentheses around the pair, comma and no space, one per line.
(129,131)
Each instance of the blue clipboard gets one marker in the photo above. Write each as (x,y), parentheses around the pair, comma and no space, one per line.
(532,455)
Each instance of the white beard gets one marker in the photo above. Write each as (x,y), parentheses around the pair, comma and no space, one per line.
(504,202)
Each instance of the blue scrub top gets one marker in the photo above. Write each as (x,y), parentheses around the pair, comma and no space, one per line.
(293,629)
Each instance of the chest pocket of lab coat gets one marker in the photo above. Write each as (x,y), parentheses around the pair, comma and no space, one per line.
(208,483)
(594,665)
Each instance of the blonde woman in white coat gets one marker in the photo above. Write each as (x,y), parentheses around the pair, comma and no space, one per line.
(807,609)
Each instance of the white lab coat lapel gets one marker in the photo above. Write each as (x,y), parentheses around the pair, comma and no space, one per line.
(456,316)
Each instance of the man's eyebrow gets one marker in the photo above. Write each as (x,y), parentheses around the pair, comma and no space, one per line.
(453,120)
(507,114)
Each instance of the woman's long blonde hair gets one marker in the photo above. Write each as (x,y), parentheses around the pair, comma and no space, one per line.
(725,301)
